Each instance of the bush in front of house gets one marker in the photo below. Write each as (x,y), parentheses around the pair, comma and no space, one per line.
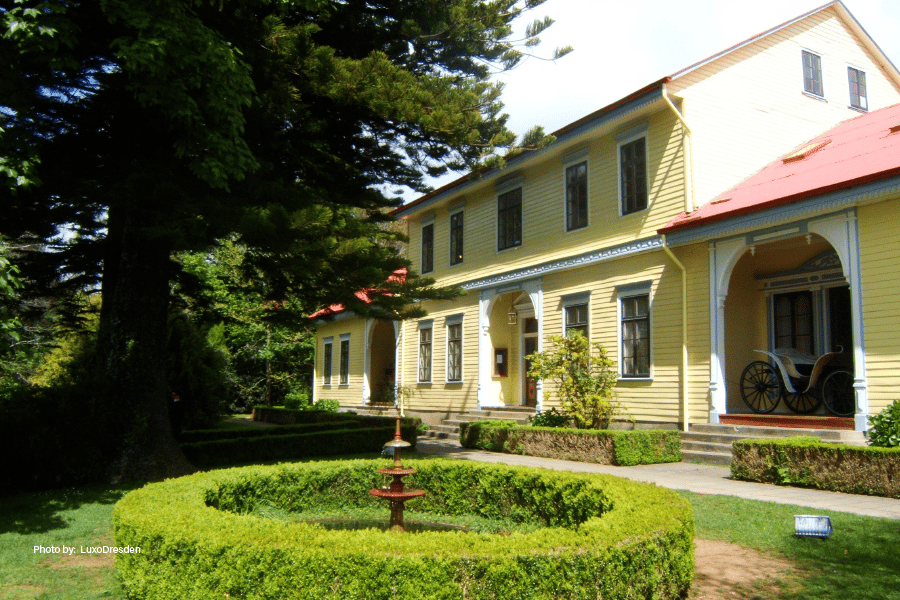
(594,536)
(808,462)
(636,447)
(884,429)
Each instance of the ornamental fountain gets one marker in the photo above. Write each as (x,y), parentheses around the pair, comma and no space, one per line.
(396,492)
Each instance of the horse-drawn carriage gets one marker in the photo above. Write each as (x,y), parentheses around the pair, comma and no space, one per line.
(802,379)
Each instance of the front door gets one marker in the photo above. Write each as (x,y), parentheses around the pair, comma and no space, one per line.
(530,346)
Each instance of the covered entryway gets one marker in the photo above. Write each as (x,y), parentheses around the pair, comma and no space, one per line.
(381,361)
(793,290)
(510,331)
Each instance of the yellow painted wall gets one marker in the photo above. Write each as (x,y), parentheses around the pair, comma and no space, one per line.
(879,256)
(748,108)
(543,207)
(352,393)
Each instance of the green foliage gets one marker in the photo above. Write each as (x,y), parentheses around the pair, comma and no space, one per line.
(327,405)
(548,418)
(641,535)
(584,377)
(641,446)
(884,428)
(808,462)
(331,440)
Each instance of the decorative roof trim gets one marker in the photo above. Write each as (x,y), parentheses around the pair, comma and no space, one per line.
(581,260)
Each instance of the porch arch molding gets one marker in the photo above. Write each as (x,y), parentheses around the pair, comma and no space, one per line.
(842,232)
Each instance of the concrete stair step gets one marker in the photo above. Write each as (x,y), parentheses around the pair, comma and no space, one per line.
(691,446)
(710,458)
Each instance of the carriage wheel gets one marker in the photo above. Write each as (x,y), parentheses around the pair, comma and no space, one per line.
(837,391)
(802,403)
(760,387)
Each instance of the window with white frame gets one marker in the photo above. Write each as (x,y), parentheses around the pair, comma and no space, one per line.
(454,349)
(812,74)
(509,219)
(857,81)
(327,355)
(345,360)
(634,331)
(576,316)
(425,340)
(428,247)
(456,238)
(576,196)
(633,170)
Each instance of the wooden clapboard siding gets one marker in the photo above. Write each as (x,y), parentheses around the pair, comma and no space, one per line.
(543,206)
(879,253)
(748,107)
(440,394)
(353,391)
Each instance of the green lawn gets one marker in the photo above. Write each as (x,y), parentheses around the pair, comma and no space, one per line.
(861,561)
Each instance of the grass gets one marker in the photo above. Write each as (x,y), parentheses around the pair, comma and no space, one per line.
(860,561)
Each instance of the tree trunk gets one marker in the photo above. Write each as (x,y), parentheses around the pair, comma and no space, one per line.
(132,342)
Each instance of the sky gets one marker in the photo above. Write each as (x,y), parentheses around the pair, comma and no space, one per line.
(620,47)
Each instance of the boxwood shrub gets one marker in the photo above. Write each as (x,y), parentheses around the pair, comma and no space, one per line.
(599,536)
(636,447)
(208,435)
(340,438)
(809,462)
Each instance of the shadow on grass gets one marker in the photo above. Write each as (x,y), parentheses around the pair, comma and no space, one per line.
(39,512)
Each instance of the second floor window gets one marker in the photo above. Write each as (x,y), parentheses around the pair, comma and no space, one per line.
(812,74)
(857,80)
(633,175)
(576,197)
(456,238)
(428,248)
(509,219)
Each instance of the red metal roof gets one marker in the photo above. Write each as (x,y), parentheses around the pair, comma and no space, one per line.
(857,151)
(399,276)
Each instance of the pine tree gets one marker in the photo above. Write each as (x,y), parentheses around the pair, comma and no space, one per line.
(144,129)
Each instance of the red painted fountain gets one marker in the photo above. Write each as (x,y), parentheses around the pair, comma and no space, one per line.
(396,492)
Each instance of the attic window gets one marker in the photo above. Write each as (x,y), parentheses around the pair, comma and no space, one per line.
(806,151)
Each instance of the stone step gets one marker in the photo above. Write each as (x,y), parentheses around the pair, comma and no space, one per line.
(756,431)
(705,446)
(710,458)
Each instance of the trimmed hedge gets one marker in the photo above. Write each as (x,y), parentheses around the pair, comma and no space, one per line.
(208,435)
(341,440)
(636,447)
(291,416)
(808,462)
(601,536)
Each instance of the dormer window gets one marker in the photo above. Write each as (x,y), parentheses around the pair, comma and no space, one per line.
(857,82)
(812,74)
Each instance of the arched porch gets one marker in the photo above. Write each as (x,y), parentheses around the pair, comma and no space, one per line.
(797,287)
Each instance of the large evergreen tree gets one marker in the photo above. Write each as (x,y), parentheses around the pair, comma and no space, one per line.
(146,128)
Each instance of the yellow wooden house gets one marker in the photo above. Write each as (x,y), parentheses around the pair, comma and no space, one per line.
(573,237)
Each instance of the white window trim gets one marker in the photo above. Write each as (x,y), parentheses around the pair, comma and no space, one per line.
(428,324)
(643,288)
(626,137)
(570,160)
(454,320)
(345,337)
(822,62)
(455,210)
(328,342)
(576,300)
(864,109)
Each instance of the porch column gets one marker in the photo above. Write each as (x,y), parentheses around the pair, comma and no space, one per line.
(842,232)
(484,345)
(722,258)
(535,291)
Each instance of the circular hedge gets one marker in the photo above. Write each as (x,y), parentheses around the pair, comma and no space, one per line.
(598,536)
